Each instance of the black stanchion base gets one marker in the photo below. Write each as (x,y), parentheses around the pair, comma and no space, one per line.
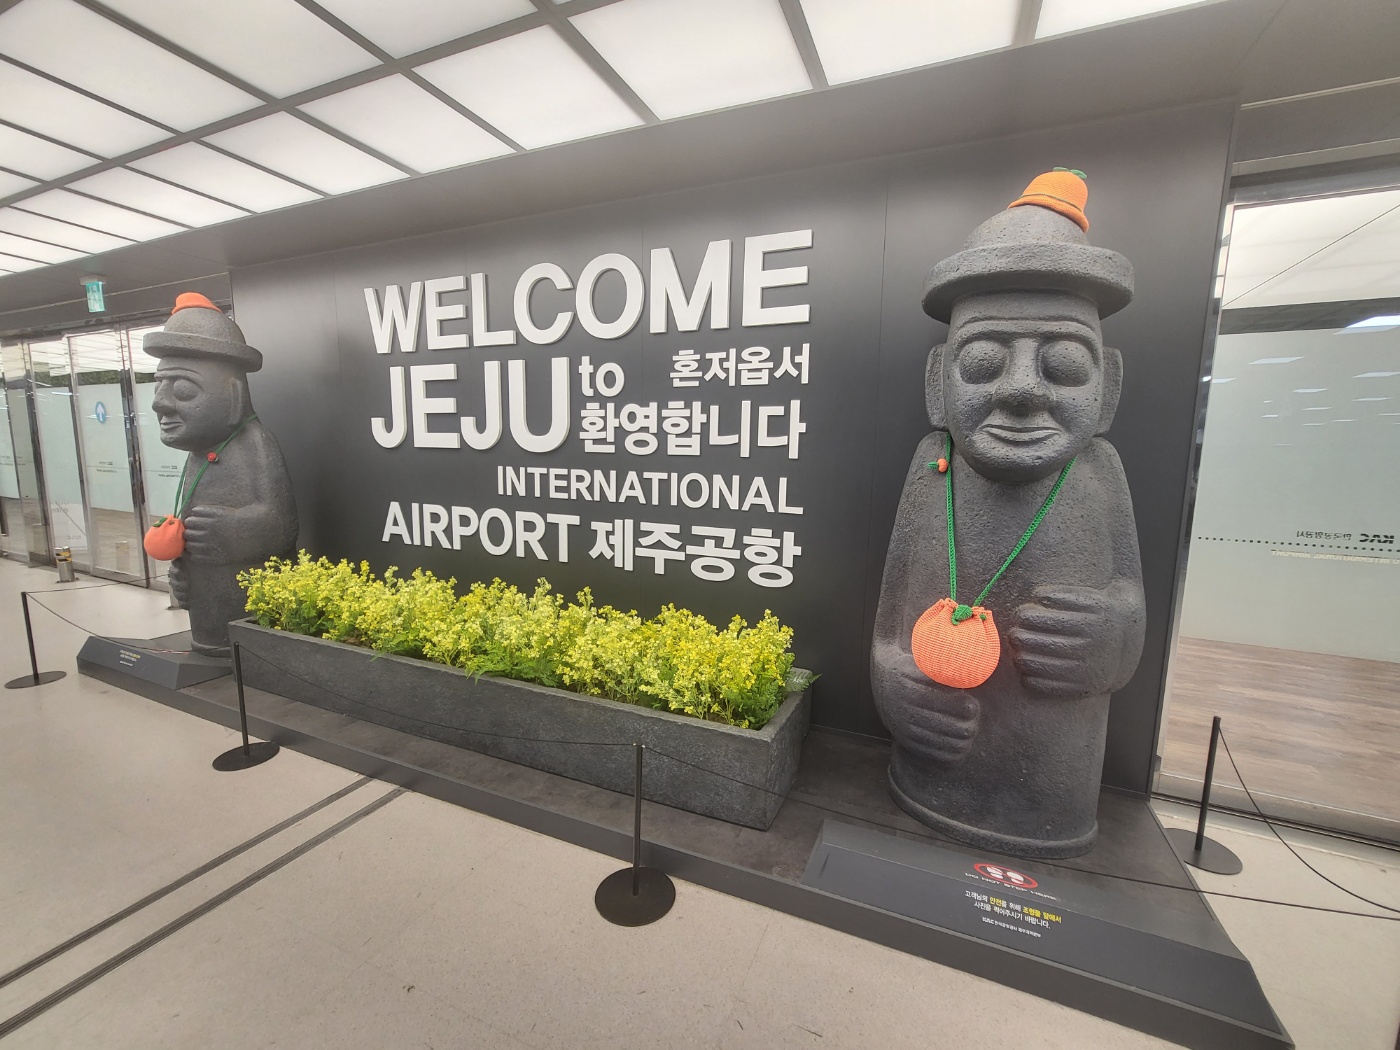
(29,681)
(620,906)
(1213,857)
(232,761)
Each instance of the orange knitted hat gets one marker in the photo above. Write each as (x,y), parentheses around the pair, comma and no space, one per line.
(1062,190)
(185,300)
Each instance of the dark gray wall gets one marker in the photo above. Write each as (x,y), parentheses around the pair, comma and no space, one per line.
(1156,186)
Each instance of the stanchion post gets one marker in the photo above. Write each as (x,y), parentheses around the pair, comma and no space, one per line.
(248,755)
(1193,847)
(635,896)
(243,703)
(1205,787)
(640,750)
(35,676)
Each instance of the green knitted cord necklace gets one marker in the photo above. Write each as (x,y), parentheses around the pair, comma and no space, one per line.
(962,612)
(183,499)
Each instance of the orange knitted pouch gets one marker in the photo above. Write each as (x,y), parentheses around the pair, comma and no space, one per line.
(961,654)
(165,540)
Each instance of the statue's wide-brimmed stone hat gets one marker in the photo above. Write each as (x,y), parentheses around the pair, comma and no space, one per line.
(198,328)
(1037,244)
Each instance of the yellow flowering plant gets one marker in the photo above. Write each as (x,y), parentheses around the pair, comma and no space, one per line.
(676,661)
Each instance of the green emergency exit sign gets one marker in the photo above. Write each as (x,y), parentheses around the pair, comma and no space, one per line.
(96,304)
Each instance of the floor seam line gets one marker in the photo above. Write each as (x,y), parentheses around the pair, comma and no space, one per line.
(51,1000)
(44,958)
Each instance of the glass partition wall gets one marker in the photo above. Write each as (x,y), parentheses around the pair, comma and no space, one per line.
(77,419)
(1289,617)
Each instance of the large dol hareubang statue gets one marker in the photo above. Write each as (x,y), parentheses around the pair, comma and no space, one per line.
(1012,602)
(234,506)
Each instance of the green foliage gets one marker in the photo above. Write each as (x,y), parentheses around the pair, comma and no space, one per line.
(677,661)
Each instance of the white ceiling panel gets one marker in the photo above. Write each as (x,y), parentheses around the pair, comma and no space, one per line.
(200,168)
(41,227)
(300,52)
(1283,253)
(99,215)
(286,144)
(11,264)
(1065,16)
(82,48)
(135,190)
(36,157)
(13,183)
(36,250)
(867,39)
(693,56)
(43,106)
(403,121)
(406,26)
(534,87)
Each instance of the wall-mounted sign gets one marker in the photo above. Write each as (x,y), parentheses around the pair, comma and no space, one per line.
(96,303)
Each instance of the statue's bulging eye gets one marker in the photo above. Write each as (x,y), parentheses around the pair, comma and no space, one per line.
(184,390)
(1066,362)
(981,360)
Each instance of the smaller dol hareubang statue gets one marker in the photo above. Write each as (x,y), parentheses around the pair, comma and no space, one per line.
(233,506)
(1012,602)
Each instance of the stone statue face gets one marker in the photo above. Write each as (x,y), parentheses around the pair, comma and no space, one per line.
(199,402)
(1023,381)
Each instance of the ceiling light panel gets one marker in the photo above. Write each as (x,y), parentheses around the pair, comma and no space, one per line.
(98,215)
(276,45)
(36,157)
(692,56)
(43,106)
(403,121)
(200,168)
(286,144)
(36,250)
(12,264)
(42,228)
(856,41)
(533,87)
(82,48)
(14,183)
(1065,16)
(406,26)
(134,190)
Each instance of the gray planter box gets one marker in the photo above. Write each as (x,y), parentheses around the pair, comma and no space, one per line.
(744,777)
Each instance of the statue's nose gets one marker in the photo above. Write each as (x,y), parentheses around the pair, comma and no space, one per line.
(1021,388)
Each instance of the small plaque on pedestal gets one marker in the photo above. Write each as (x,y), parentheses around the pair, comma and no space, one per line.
(166,661)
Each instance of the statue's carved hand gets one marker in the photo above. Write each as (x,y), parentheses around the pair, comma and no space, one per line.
(208,531)
(934,721)
(179,583)
(1068,641)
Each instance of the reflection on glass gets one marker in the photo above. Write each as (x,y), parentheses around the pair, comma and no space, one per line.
(28,537)
(12,538)
(160,464)
(102,421)
(53,408)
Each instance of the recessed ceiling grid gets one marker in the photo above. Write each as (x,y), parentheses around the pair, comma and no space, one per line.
(128,120)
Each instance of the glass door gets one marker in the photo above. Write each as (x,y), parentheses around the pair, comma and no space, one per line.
(1289,619)
(52,379)
(109,462)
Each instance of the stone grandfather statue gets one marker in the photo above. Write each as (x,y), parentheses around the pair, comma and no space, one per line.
(1012,603)
(234,506)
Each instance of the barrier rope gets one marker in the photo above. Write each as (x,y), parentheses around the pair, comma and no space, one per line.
(1394,915)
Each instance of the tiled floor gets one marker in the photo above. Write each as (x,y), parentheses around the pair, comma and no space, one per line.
(421,924)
